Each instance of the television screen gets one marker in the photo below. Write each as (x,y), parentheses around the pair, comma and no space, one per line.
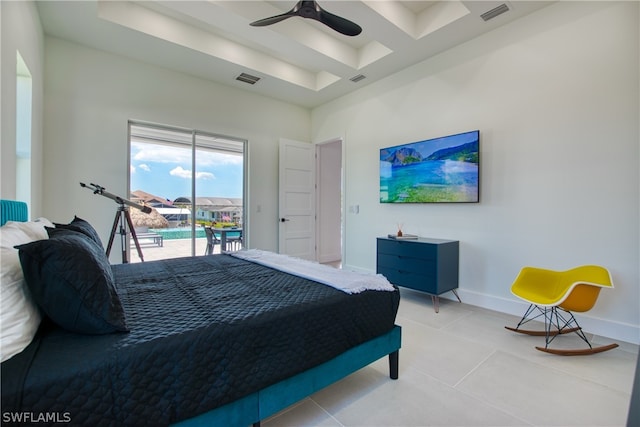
(439,170)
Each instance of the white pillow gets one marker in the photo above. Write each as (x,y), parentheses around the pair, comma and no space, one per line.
(19,315)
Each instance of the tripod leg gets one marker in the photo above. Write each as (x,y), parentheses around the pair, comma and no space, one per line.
(123,235)
(113,233)
(133,234)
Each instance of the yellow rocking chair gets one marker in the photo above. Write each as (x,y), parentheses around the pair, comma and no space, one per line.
(554,295)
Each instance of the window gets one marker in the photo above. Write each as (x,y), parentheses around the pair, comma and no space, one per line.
(192,179)
(23,131)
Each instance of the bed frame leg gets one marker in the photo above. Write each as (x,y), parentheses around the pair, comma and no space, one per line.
(256,424)
(393,364)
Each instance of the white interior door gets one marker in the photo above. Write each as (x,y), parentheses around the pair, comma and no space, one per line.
(296,204)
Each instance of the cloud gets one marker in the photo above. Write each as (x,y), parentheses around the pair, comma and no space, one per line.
(180,172)
(209,158)
(180,155)
(205,175)
(144,167)
(159,153)
(132,169)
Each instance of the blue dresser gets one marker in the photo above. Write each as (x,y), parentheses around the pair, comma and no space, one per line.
(427,265)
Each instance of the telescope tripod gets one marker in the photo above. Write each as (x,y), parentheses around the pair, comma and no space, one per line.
(124,219)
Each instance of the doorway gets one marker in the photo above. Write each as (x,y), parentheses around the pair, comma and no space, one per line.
(330,212)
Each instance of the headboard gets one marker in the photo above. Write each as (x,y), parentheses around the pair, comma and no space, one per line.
(12,210)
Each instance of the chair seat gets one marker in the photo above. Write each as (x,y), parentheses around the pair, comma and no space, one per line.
(577,287)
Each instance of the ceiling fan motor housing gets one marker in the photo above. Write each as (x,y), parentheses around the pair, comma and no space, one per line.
(307,9)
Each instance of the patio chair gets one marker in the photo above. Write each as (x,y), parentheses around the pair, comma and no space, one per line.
(211,241)
(234,243)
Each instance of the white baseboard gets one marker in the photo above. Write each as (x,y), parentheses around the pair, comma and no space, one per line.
(324,258)
(605,328)
(594,325)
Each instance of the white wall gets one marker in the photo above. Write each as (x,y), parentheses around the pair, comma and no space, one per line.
(20,30)
(89,97)
(556,98)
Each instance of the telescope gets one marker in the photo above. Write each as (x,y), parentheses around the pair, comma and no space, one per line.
(97,189)
(122,218)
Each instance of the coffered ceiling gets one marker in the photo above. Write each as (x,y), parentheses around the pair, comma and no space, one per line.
(297,60)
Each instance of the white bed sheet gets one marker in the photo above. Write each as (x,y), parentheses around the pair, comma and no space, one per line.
(347,281)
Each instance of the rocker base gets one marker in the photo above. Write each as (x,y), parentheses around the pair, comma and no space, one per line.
(582,352)
(542,333)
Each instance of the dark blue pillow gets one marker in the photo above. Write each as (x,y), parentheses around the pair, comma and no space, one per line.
(71,280)
(58,231)
(82,226)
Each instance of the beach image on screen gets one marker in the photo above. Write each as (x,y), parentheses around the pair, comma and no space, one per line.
(437,170)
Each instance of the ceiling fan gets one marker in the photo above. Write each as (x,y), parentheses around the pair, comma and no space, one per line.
(312,10)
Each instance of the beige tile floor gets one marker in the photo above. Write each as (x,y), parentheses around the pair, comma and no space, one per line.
(460,367)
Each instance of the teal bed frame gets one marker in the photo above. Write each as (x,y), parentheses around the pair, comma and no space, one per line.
(260,405)
(251,409)
(11,210)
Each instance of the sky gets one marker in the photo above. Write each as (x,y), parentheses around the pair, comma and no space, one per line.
(166,171)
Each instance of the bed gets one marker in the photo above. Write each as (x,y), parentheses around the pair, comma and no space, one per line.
(216,340)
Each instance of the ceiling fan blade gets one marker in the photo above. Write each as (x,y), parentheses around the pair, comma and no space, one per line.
(339,23)
(312,10)
(272,20)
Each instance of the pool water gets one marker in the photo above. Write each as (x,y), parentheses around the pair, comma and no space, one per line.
(178,233)
(185,233)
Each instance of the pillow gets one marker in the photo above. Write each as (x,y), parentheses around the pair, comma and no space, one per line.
(71,280)
(53,232)
(82,226)
(19,314)
(33,230)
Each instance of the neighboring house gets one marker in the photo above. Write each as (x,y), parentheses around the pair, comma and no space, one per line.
(208,209)
(150,199)
(219,209)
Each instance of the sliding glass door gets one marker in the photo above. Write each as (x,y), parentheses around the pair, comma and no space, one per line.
(192,179)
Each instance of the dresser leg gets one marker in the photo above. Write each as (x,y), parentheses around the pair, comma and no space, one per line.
(435,299)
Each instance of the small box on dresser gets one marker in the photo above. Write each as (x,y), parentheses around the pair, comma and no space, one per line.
(423,264)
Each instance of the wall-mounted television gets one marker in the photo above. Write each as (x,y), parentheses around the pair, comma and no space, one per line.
(439,170)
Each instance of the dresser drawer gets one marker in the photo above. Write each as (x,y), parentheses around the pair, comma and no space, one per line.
(407,248)
(407,264)
(409,279)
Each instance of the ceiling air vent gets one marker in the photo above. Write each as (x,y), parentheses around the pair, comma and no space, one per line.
(495,12)
(357,78)
(247,78)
